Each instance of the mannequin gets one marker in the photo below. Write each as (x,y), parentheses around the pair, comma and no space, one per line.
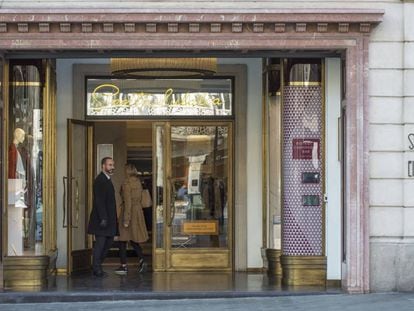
(17,189)
(16,167)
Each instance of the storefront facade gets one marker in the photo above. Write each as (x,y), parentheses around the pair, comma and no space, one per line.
(248,44)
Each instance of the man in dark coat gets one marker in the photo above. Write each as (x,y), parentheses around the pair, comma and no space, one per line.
(103,219)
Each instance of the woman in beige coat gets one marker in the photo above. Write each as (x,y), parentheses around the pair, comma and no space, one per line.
(131,220)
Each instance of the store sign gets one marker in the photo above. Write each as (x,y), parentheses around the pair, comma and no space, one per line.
(165,97)
(305,149)
(200,227)
(117,98)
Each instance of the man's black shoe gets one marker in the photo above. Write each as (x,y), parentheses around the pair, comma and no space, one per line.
(99,274)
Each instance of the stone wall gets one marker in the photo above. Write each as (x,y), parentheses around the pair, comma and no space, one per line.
(391,91)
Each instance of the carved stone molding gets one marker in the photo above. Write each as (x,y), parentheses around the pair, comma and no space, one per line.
(268,21)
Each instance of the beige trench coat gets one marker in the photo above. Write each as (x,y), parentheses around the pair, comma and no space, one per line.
(131,212)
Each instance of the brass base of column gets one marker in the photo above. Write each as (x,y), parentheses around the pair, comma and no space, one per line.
(273,260)
(25,272)
(304,270)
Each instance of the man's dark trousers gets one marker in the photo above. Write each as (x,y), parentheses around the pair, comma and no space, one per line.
(100,250)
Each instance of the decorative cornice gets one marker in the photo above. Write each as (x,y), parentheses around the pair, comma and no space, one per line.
(190,21)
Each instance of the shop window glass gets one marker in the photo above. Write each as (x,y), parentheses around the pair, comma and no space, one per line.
(25,157)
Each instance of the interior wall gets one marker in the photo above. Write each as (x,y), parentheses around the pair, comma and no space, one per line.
(114,133)
(254,157)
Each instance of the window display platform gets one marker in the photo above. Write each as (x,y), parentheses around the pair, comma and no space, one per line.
(160,285)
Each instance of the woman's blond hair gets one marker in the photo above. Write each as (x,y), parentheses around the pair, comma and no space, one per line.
(131,170)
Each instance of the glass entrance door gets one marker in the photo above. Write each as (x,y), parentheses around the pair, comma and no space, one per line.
(193,196)
(78,183)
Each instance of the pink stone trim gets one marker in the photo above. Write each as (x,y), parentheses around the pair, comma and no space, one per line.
(23,27)
(301,27)
(322,27)
(237,27)
(194,27)
(86,27)
(108,27)
(172,27)
(215,27)
(44,27)
(279,27)
(258,27)
(65,27)
(129,27)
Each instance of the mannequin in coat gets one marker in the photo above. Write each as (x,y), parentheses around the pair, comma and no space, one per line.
(16,166)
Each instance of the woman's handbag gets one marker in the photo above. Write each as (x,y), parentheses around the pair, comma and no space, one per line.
(146,200)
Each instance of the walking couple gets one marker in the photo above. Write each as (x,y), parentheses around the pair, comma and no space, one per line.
(104,223)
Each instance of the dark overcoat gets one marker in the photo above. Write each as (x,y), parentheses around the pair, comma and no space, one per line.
(104,207)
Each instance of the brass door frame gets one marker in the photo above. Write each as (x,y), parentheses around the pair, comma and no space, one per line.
(88,194)
(162,257)
(4,155)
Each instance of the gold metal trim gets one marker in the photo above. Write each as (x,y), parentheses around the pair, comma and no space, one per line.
(304,270)
(49,167)
(334,283)
(38,84)
(323,156)
(274,264)
(265,159)
(5,121)
(283,62)
(302,83)
(62,271)
(25,271)
(163,67)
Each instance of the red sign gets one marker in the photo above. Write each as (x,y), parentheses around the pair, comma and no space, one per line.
(304,149)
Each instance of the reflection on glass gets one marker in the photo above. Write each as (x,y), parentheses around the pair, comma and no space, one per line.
(159,97)
(159,186)
(199,217)
(25,157)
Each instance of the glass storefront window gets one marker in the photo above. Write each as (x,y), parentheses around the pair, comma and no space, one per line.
(25,157)
(200,162)
(158,97)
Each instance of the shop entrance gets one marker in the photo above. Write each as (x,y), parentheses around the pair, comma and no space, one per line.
(188,168)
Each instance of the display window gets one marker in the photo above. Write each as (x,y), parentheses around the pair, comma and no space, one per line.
(25,160)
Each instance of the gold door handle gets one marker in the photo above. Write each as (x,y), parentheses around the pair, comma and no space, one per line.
(77,200)
(64,224)
(172,201)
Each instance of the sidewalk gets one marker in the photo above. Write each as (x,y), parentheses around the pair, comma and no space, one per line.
(369,302)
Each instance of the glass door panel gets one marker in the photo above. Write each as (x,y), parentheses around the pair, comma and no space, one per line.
(78,194)
(199,183)
(193,191)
